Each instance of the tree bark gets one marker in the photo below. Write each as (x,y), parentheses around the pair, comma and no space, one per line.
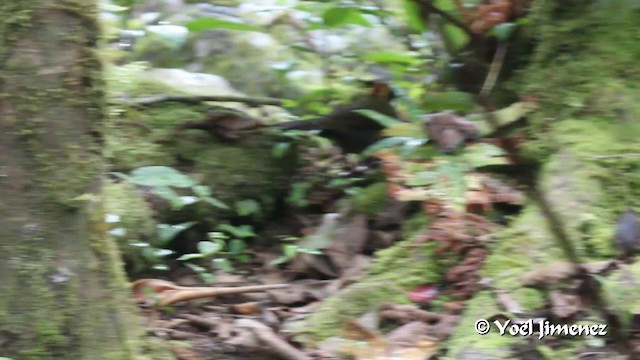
(63,294)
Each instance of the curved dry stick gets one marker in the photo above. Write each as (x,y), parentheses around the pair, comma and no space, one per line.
(169,293)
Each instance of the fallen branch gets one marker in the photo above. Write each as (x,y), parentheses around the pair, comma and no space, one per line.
(167,293)
(275,344)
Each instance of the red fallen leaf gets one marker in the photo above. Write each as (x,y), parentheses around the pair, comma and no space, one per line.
(423,293)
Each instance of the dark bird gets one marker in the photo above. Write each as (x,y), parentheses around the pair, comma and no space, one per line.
(352,131)
(628,232)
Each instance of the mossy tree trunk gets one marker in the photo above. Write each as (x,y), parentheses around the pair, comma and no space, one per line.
(63,294)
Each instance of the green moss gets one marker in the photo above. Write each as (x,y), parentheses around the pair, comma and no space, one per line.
(240,170)
(136,218)
(128,147)
(372,199)
(395,271)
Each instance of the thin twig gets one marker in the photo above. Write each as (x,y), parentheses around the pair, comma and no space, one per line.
(197,99)
(494,69)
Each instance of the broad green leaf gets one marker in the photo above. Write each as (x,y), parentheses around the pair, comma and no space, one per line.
(160,176)
(163,252)
(309,251)
(481,154)
(389,57)
(187,257)
(406,130)
(166,232)
(455,37)
(446,5)
(223,264)
(241,231)
(160,267)
(290,250)
(502,117)
(215,202)
(341,16)
(236,246)
(171,196)
(188,200)
(207,248)
(297,194)
(201,190)
(280,149)
(203,24)
(280,260)
(412,16)
(382,119)
(451,100)
(247,207)
(423,178)
(385,143)
(411,146)
(106,7)
(503,31)
(451,184)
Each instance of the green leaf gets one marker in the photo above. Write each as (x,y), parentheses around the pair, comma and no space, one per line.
(280,149)
(171,196)
(407,130)
(236,246)
(290,250)
(215,202)
(412,16)
(451,100)
(451,184)
(280,260)
(503,31)
(186,257)
(297,194)
(106,7)
(410,147)
(223,264)
(309,251)
(385,144)
(188,200)
(160,267)
(247,207)
(203,24)
(341,16)
(382,119)
(160,176)
(481,154)
(423,178)
(201,190)
(217,235)
(389,57)
(163,252)
(166,232)
(207,248)
(241,231)
(456,37)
